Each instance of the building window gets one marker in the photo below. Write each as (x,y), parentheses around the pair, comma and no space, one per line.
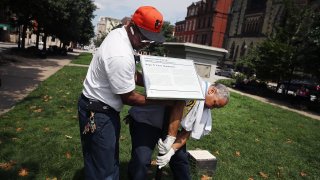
(235,57)
(194,25)
(203,39)
(209,22)
(243,49)
(187,25)
(232,51)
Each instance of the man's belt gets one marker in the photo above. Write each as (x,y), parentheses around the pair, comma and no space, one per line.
(97,106)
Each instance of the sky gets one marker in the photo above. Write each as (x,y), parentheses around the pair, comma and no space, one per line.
(172,10)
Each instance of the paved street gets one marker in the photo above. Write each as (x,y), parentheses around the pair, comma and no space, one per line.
(5,46)
(20,76)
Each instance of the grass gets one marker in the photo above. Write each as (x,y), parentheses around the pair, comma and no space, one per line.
(83,58)
(250,139)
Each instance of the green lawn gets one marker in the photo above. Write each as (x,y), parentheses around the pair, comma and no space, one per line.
(83,58)
(39,138)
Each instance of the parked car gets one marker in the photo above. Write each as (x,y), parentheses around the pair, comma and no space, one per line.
(296,85)
(86,48)
(218,70)
(226,72)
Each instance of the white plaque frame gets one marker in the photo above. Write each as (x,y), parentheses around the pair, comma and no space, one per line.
(170,78)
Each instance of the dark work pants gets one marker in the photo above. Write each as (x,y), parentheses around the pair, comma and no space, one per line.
(144,138)
(101,148)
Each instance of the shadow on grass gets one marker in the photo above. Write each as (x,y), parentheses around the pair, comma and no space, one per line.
(12,169)
(17,172)
(79,174)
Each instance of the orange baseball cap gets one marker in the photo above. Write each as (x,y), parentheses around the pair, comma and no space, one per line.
(149,21)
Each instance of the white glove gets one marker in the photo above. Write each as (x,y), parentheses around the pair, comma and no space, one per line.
(164,146)
(163,160)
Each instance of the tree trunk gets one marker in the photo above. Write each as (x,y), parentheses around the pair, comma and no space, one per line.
(24,31)
(290,79)
(37,39)
(45,42)
(19,37)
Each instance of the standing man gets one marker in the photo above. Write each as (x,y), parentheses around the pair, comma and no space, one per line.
(146,128)
(110,83)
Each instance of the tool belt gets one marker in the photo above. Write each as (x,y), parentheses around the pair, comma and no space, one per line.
(97,106)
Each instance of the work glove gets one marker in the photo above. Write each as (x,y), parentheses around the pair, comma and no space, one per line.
(164,146)
(164,159)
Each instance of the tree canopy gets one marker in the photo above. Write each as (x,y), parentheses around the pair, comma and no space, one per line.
(68,20)
(294,47)
(158,49)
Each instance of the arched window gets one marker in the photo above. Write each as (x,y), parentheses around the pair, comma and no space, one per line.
(235,57)
(243,49)
(232,51)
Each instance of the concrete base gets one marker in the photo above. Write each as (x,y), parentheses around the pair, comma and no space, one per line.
(205,57)
(203,162)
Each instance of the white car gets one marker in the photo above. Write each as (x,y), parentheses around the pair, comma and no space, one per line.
(86,48)
(218,70)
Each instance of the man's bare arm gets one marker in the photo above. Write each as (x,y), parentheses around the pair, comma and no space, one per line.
(181,140)
(136,99)
(174,124)
(175,118)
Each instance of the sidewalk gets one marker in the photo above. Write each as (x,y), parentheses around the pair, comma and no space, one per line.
(20,76)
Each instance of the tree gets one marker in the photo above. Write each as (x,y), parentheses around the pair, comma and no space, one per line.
(311,50)
(68,20)
(287,51)
(97,42)
(158,49)
(24,11)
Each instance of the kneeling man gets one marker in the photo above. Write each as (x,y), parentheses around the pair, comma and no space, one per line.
(146,129)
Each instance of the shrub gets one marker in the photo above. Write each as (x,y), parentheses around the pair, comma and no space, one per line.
(226,82)
(239,77)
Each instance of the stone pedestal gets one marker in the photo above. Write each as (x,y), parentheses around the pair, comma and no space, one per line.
(204,57)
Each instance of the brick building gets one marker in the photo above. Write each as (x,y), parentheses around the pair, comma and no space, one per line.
(205,23)
(251,22)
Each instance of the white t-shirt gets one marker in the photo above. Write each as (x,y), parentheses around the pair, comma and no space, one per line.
(112,70)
